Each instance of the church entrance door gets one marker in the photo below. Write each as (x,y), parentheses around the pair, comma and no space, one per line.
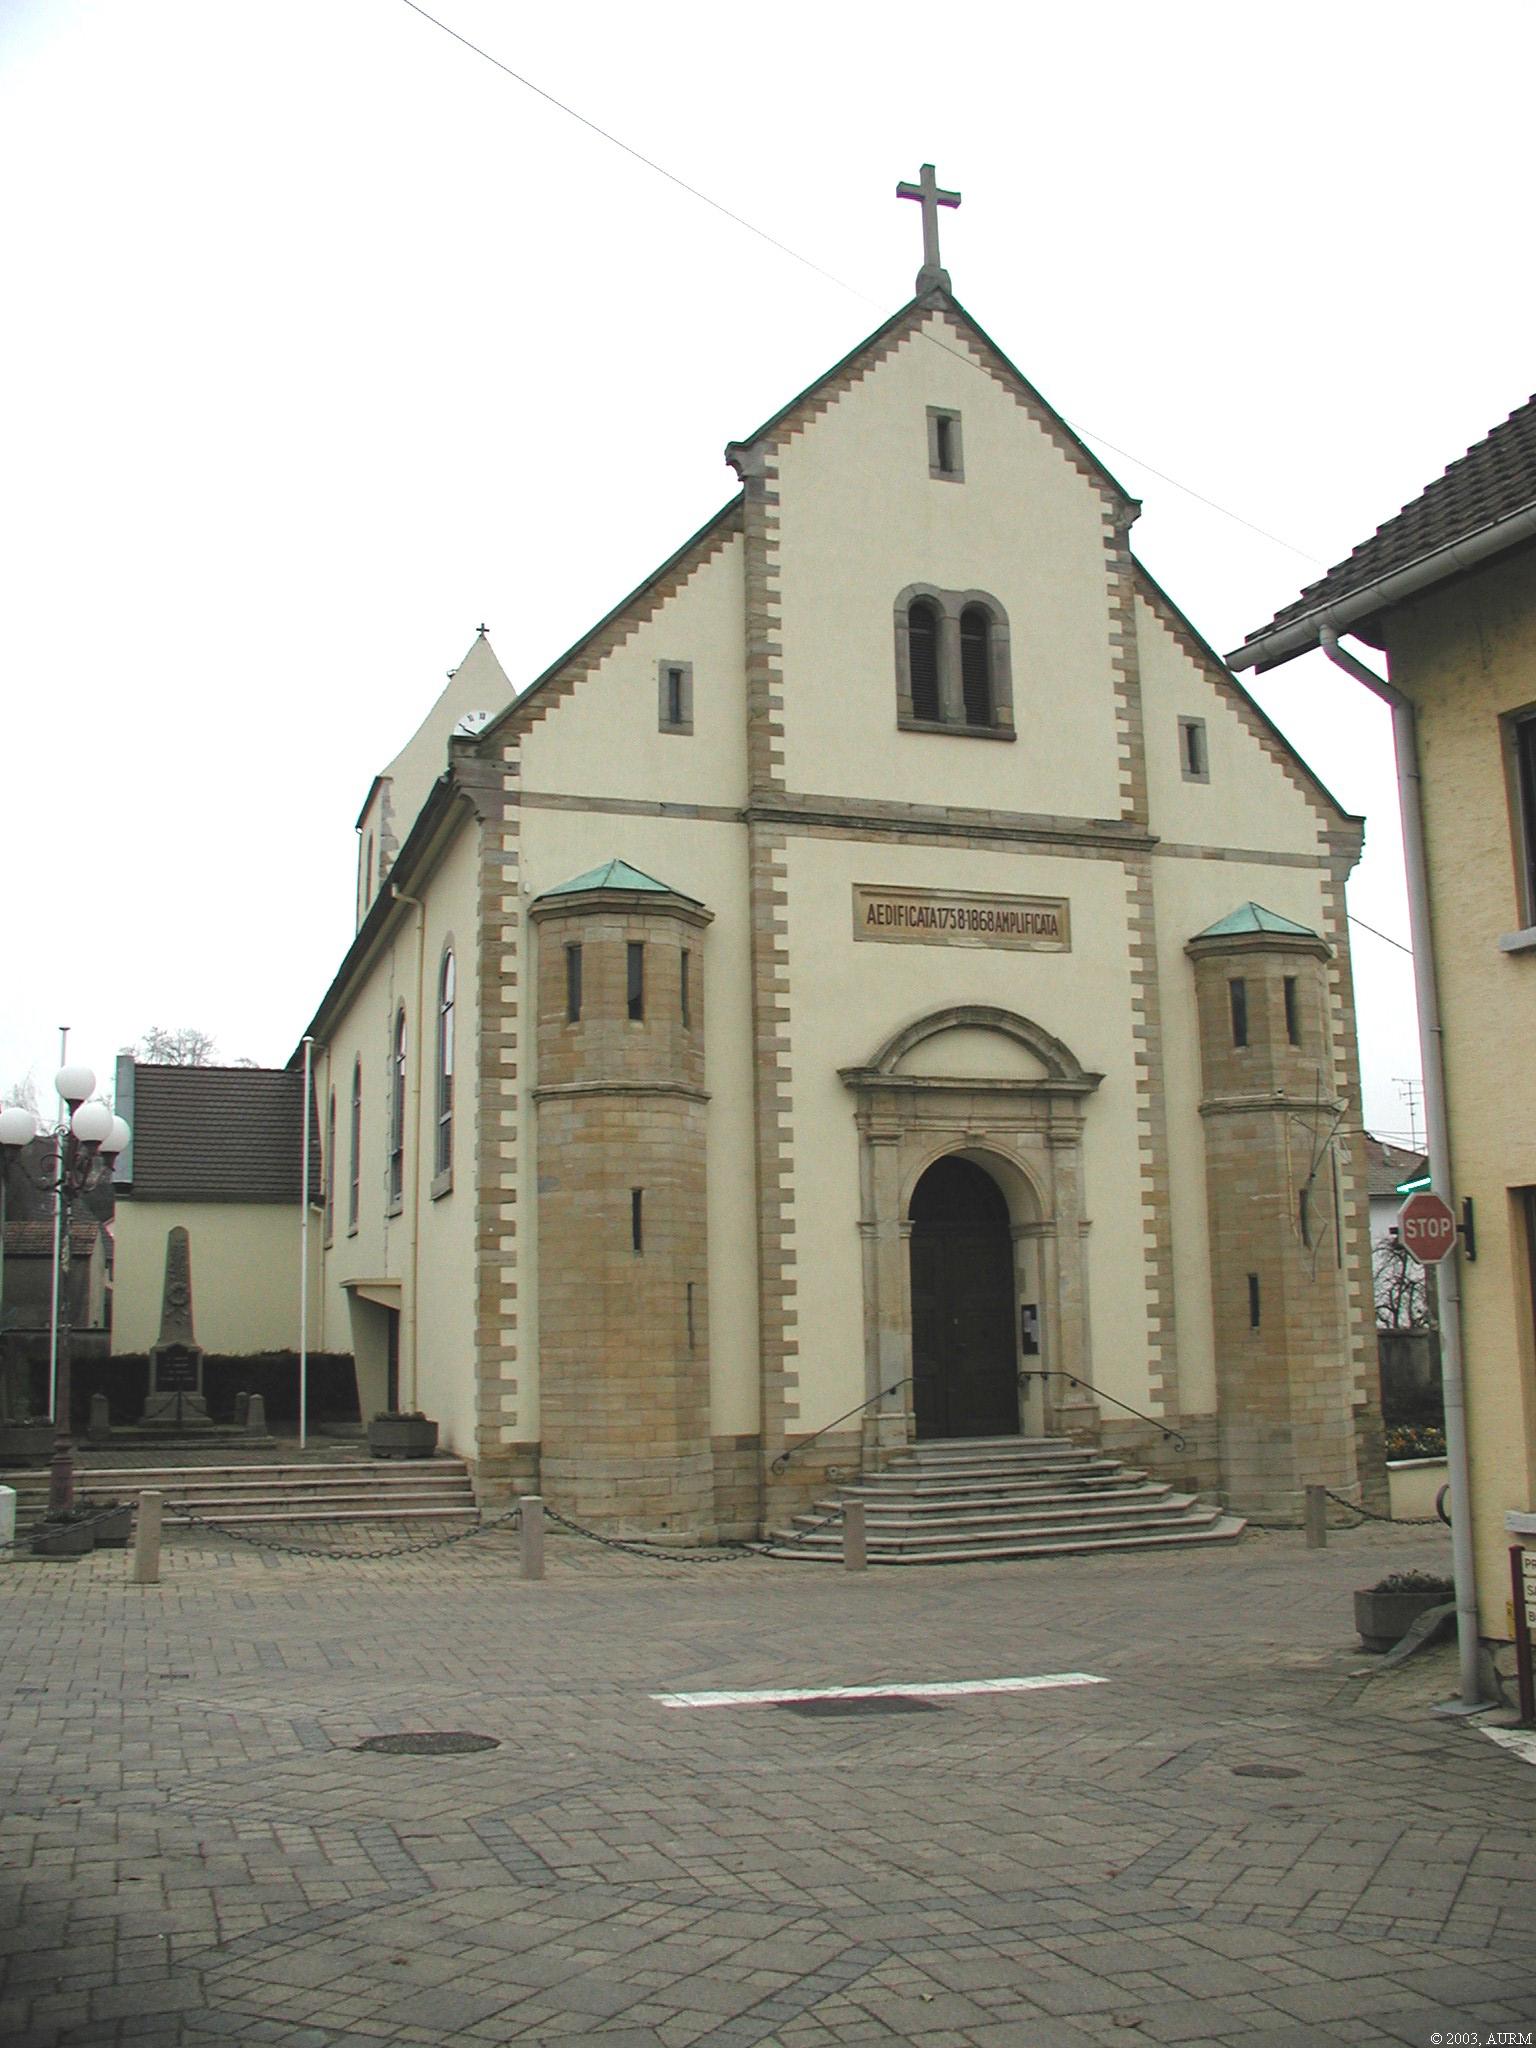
(964,1369)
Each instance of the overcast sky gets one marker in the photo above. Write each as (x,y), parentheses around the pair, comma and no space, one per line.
(326,339)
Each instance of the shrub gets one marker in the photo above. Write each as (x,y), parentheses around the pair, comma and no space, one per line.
(1415,1440)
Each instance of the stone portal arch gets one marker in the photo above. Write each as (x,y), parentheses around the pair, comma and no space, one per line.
(1013,1106)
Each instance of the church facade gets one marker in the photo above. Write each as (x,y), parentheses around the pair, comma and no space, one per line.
(886,982)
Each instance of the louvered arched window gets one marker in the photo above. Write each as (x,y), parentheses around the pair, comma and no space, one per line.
(923,652)
(976,664)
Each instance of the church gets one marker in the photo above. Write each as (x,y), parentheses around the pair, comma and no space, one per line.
(885,983)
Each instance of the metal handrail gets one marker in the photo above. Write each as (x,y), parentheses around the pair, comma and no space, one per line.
(781,1462)
(1041,1372)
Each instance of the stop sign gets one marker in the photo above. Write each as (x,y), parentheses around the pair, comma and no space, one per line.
(1427,1227)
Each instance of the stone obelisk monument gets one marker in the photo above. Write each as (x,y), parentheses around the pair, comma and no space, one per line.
(176,1359)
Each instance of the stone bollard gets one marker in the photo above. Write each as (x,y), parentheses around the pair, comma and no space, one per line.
(146,1540)
(7,1523)
(530,1532)
(256,1415)
(855,1537)
(1317,1518)
(242,1409)
(100,1424)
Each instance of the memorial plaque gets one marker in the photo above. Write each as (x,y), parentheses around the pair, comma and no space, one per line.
(949,917)
(176,1369)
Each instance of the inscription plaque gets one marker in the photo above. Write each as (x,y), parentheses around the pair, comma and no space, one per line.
(959,917)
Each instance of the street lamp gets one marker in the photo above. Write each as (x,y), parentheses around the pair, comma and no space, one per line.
(87,1131)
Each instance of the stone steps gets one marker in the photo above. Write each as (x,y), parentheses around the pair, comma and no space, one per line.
(349,1490)
(964,1503)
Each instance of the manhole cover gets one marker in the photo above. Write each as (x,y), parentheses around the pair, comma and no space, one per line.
(1265,1771)
(429,1743)
(827,1710)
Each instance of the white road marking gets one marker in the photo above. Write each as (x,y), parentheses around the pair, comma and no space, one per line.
(944,1688)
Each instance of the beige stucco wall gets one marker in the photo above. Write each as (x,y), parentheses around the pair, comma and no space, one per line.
(1025,526)
(1467,657)
(438,1376)
(245,1274)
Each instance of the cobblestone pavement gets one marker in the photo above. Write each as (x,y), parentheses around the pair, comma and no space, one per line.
(1231,1840)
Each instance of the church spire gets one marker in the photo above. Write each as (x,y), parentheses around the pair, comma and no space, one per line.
(928,193)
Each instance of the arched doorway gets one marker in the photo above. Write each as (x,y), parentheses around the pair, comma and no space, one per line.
(964,1361)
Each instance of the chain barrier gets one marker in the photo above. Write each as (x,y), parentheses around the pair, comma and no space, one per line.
(356,1556)
(79,1520)
(1370,1514)
(732,1554)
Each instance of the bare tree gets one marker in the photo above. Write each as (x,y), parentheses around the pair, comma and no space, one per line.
(22,1094)
(1403,1298)
(184,1047)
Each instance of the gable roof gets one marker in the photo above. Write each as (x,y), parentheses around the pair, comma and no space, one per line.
(1253,917)
(219,1134)
(909,319)
(1484,502)
(1388,1166)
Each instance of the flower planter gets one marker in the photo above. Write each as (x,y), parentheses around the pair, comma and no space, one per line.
(402,1436)
(1383,1616)
(63,1539)
(113,1525)
(26,1443)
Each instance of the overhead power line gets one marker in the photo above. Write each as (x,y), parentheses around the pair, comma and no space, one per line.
(773,241)
(1380,935)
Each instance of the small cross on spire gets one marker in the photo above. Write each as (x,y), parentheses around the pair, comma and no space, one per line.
(482,630)
(931,198)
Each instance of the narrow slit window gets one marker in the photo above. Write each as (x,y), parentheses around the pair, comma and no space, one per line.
(1292,1011)
(635,981)
(443,1157)
(1238,991)
(944,451)
(976,664)
(1253,1301)
(923,648)
(684,991)
(674,696)
(637,1219)
(573,984)
(1194,760)
(354,1163)
(330,1166)
(397,1114)
(692,1334)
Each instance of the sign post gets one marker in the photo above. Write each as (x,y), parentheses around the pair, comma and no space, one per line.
(1427,1227)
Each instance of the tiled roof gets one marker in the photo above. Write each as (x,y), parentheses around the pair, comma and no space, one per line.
(35,1239)
(1387,1166)
(1253,917)
(1492,481)
(219,1134)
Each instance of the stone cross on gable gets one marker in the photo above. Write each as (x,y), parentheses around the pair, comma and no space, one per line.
(928,193)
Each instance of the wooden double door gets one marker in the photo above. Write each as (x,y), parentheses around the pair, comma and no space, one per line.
(964,1355)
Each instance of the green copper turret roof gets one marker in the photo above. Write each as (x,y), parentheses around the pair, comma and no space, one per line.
(1253,917)
(616,874)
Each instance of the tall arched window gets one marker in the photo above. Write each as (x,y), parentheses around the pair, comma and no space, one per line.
(354,1162)
(923,643)
(330,1165)
(397,1113)
(444,1158)
(368,871)
(976,664)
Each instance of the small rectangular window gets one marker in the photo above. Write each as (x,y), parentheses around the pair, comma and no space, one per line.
(684,992)
(1253,1301)
(944,457)
(1524,738)
(674,696)
(692,1335)
(636,1219)
(1238,991)
(1194,761)
(1292,1011)
(573,984)
(635,990)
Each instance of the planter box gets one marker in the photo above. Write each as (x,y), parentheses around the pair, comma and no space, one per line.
(113,1527)
(402,1436)
(1383,1619)
(63,1539)
(26,1443)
